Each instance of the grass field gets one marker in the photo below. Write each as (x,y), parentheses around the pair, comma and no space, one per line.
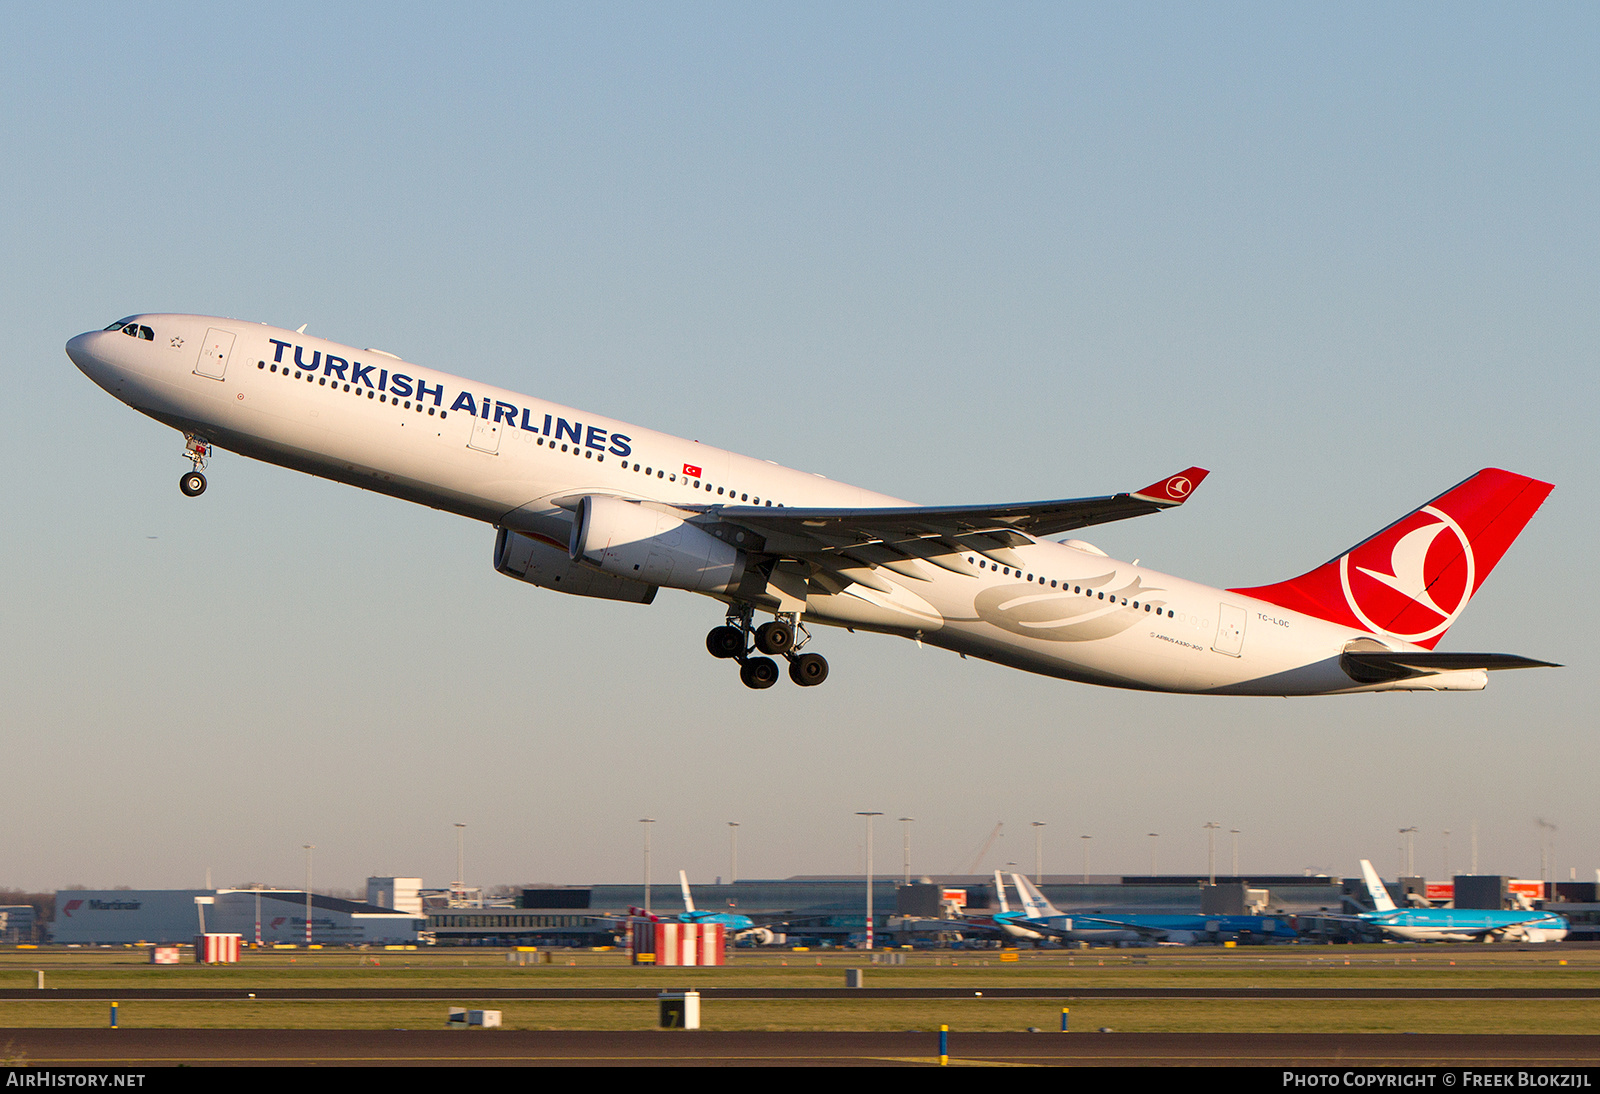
(1412,967)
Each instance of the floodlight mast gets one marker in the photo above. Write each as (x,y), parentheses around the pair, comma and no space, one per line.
(648,823)
(869,816)
(310,847)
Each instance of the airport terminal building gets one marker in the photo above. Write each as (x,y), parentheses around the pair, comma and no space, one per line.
(268,916)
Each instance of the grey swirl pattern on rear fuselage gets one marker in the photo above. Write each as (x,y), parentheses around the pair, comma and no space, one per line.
(1055,615)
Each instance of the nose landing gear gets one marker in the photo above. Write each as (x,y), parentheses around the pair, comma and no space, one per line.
(193,483)
(732,641)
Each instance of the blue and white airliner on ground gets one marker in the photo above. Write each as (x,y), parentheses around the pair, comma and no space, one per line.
(1456,924)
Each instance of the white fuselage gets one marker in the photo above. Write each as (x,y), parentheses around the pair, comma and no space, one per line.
(515,461)
(1468,925)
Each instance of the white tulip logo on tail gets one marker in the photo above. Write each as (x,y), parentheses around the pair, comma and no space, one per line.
(1419,589)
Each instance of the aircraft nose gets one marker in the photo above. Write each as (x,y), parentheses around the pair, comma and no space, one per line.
(88,352)
(80,350)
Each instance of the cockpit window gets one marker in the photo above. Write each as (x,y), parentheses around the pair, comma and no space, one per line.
(133,330)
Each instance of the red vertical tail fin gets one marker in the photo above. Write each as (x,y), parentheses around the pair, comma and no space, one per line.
(1412,580)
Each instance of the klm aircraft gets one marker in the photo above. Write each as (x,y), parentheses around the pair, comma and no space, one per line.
(1455,924)
(1043,918)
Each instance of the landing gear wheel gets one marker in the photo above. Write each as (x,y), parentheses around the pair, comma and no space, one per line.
(725,642)
(193,484)
(808,669)
(759,673)
(776,638)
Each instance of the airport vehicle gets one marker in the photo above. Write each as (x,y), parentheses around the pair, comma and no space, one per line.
(595,507)
(1456,924)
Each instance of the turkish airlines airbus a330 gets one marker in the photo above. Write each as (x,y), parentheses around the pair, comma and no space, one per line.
(595,507)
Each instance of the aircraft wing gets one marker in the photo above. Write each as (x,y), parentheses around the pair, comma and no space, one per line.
(901,537)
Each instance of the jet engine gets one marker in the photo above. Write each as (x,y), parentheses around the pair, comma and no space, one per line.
(542,563)
(628,540)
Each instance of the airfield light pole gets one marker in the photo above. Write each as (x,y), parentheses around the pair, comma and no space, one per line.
(1410,861)
(733,852)
(1234,832)
(461,862)
(1547,848)
(310,847)
(1086,840)
(647,822)
(1038,853)
(1447,852)
(906,850)
(1211,850)
(869,816)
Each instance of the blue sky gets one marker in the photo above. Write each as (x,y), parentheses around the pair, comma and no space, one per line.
(1343,257)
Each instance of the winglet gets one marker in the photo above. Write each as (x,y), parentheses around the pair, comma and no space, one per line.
(1175,489)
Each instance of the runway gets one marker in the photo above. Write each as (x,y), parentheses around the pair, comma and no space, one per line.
(139,1048)
(854,994)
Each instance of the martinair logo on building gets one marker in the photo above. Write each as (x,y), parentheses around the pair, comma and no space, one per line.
(99,906)
(1411,580)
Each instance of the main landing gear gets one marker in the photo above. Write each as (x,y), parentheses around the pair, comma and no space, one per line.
(193,483)
(732,640)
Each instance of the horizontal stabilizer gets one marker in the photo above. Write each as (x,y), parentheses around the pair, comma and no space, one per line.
(1379,666)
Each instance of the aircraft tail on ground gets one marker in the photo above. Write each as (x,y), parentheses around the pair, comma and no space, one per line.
(683,880)
(1381,901)
(1000,889)
(1412,580)
(1033,901)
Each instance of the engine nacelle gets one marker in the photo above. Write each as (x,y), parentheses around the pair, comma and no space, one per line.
(630,541)
(541,563)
